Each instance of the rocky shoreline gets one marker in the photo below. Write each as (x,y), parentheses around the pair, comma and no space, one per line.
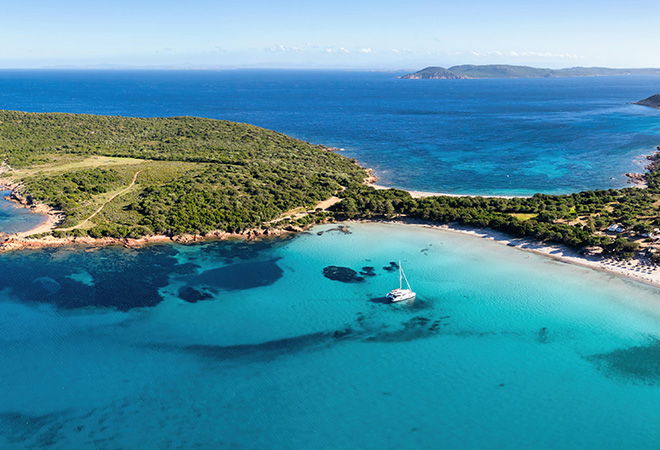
(639,179)
(637,269)
(23,240)
(12,243)
(652,101)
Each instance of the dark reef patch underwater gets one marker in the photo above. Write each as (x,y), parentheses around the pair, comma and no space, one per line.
(123,279)
(639,364)
(343,274)
(105,277)
(240,276)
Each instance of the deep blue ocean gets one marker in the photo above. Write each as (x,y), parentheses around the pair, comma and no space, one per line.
(502,136)
(248,345)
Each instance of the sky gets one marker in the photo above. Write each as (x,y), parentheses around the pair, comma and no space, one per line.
(341,34)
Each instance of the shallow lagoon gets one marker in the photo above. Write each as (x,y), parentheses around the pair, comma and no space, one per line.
(14,218)
(502,348)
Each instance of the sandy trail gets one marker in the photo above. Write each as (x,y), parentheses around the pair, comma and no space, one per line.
(123,191)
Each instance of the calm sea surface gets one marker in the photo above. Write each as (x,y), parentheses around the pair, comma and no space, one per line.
(517,136)
(249,346)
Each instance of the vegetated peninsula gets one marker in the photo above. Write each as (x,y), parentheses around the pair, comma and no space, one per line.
(131,177)
(652,101)
(125,178)
(508,71)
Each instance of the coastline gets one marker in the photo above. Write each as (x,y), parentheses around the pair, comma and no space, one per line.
(639,270)
(53,217)
(423,194)
(22,240)
(14,242)
(636,269)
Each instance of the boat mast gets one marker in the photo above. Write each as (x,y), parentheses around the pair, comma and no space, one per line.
(401,272)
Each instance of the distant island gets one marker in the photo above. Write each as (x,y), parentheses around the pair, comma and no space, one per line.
(469,71)
(652,101)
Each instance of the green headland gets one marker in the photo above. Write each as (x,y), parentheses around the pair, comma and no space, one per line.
(191,175)
(131,177)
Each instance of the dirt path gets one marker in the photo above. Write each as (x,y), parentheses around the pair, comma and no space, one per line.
(123,191)
(328,203)
(297,213)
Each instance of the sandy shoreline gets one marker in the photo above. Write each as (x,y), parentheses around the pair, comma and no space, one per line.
(637,269)
(422,194)
(52,217)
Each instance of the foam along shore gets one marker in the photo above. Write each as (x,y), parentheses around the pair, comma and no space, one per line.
(638,269)
(422,194)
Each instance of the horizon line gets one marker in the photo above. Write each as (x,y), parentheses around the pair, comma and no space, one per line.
(126,67)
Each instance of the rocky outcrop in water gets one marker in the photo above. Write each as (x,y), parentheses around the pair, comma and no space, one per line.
(343,274)
(652,101)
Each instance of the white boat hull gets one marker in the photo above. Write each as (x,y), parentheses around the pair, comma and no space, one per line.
(399,295)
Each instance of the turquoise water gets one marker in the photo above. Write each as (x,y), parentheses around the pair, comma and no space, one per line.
(14,219)
(501,349)
(249,346)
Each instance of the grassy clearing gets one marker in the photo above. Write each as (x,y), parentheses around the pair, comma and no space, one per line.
(523,217)
(66,164)
(121,209)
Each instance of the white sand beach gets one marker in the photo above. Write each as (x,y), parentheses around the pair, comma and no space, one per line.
(422,194)
(638,269)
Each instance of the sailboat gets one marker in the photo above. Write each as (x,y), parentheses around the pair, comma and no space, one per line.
(397,295)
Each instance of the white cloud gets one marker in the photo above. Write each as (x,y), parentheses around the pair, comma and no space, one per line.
(527,54)
(365,50)
(284,48)
(337,50)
